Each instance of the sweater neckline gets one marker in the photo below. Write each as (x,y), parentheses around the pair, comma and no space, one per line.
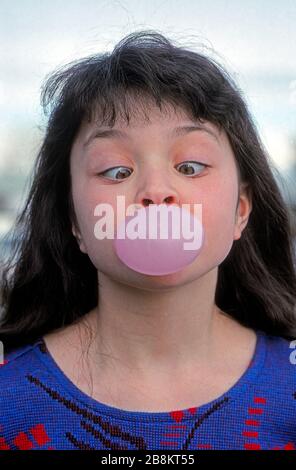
(245,380)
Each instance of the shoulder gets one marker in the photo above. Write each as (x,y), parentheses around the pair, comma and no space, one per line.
(15,371)
(279,350)
(23,408)
(17,361)
(279,363)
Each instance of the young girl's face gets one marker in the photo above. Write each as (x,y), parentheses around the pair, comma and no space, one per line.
(154,163)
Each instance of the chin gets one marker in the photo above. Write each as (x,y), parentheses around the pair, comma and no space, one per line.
(183,276)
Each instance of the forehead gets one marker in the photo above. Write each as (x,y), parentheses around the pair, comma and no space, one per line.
(170,121)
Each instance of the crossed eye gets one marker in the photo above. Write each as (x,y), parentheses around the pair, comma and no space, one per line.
(187,165)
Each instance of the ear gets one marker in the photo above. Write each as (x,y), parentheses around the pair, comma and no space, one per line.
(244,208)
(77,235)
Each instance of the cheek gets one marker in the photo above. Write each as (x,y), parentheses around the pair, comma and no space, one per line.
(218,217)
(87,194)
(86,198)
(100,252)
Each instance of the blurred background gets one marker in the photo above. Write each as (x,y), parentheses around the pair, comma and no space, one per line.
(254,40)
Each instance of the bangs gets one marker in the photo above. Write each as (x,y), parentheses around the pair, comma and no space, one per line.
(125,106)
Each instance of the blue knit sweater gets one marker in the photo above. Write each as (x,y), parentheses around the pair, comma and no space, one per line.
(42,409)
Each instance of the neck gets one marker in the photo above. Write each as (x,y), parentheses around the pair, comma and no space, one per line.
(149,330)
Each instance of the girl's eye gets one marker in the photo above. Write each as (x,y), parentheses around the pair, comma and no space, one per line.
(189,167)
(121,173)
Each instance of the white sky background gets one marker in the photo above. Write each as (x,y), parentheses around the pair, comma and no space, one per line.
(255,40)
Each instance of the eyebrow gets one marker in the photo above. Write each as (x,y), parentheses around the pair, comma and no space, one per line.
(118,134)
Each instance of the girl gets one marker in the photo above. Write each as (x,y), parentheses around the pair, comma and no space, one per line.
(100,356)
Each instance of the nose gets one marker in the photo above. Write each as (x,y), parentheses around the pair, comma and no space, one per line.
(157,188)
(158,192)
(159,200)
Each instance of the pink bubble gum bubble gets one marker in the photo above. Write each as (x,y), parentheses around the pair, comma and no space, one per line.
(158,256)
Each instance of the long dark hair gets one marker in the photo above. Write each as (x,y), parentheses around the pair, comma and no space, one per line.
(49,283)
